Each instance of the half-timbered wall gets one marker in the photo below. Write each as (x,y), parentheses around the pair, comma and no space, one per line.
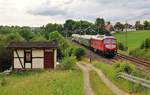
(37,58)
(16,58)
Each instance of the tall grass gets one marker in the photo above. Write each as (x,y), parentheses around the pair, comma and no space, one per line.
(44,83)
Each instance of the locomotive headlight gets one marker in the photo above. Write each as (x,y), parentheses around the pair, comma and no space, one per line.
(110,46)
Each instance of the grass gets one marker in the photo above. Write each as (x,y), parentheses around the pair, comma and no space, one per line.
(142,53)
(43,83)
(109,71)
(134,39)
(98,86)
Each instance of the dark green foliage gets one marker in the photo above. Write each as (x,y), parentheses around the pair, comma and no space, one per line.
(121,46)
(138,25)
(143,51)
(68,63)
(146,25)
(5,59)
(14,37)
(50,28)
(26,33)
(63,44)
(75,51)
(119,27)
(136,87)
(79,52)
(100,26)
(146,44)
(38,37)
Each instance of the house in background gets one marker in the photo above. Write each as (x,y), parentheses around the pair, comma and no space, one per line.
(33,55)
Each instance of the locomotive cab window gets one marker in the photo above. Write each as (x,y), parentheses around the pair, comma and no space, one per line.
(114,41)
(107,41)
(28,56)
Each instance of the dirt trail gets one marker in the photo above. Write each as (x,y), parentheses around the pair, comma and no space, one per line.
(87,87)
(107,82)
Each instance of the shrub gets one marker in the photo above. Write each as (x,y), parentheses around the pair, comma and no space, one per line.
(135,87)
(124,67)
(69,51)
(63,44)
(79,52)
(122,47)
(74,51)
(5,58)
(68,63)
(145,44)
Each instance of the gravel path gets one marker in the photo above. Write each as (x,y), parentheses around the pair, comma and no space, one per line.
(87,87)
(107,82)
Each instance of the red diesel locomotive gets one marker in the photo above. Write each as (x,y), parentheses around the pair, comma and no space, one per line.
(106,45)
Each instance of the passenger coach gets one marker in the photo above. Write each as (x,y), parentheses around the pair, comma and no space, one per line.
(106,45)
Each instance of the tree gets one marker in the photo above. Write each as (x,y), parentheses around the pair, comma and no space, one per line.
(52,27)
(100,25)
(119,26)
(26,33)
(146,24)
(15,36)
(138,25)
(38,37)
(62,43)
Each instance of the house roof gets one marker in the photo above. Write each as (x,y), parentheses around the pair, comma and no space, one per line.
(33,45)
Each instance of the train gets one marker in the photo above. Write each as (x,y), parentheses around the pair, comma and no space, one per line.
(102,44)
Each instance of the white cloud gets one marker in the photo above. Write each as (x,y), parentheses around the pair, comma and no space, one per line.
(39,12)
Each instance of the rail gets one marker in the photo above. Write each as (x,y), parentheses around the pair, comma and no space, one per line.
(143,82)
(135,60)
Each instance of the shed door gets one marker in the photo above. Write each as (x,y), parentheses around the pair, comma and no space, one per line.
(48,59)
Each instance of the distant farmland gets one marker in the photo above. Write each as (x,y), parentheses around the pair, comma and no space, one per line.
(134,39)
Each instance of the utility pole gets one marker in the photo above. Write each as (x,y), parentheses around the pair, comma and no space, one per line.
(126,38)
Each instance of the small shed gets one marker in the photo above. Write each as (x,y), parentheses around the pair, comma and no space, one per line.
(33,55)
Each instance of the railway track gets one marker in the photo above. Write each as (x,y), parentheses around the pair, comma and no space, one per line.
(94,56)
(136,61)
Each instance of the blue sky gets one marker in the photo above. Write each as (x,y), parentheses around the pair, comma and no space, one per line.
(40,12)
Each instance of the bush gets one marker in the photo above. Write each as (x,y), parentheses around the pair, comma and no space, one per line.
(63,44)
(5,58)
(79,52)
(68,63)
(121,46)
(74,51)
(124,67)
(136,87)
(145,44)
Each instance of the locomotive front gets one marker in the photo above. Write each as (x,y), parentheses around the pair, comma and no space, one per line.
(110,46)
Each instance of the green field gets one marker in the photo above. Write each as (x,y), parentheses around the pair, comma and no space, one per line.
(43,83)
(134,39)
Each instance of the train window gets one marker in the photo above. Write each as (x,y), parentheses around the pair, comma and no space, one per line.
(114,41)
(107,41)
